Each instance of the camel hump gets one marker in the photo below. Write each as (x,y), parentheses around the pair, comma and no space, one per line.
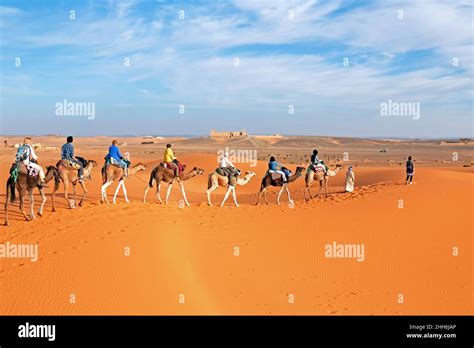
(83,161)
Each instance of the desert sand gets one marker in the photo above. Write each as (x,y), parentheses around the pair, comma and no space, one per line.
(147,258)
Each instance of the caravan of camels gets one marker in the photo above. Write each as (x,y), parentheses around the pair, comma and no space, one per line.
(26,175)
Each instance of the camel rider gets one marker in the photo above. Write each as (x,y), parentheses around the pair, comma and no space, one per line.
(170,159)
(273,166)
(228,167)
(315,161)
(67,153)
(28,157)
(115,157)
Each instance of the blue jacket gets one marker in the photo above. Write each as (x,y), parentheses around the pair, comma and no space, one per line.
(273,165)
(114,152)
(67,151)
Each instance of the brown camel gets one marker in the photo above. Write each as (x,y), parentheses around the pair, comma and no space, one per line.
(113,173)
(160,173)
(26,183)
(267,181)
(320,176)
(215,180)
(70,175)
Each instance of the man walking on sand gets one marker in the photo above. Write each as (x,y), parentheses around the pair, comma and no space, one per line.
(410,171)
(350,180)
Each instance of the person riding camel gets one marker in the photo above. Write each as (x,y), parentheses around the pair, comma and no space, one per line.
(170,160)
(228,168)
(67,153)
(274,167)
(26,155)
(116,158)
(315,161)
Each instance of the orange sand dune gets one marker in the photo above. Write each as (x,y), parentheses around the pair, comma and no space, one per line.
(190,253)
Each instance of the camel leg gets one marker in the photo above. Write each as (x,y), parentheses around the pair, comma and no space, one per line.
(52,199)
(181,185)
(7,201)
(117,190)
(289,197)
(308,189)
(168,192)
(43,202)
(208,192)
(326,187)
(103,190)
(84,193)
(265,196)
(32,205)
(235,197)
(320,187)
(146,191)
(260,194)
(229,188)
(125,192)
(279,194)
(66,189)
(158,193)
(22,202)
(74,193)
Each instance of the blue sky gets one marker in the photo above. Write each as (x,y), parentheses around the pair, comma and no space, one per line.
(290,52)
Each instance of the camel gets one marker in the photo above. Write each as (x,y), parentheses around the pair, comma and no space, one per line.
(160,173)
(70,175)
(215,180)
(268,181)
(26,183)
(320,176)
(113,173)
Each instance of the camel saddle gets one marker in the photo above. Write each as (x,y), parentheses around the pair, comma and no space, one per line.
(230,173)
(274,175)
(68,164)
(181,167)
(19,167)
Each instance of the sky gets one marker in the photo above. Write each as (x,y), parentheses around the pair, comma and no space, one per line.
(299,67)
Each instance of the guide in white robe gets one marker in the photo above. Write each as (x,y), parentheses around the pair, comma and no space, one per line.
(350,180)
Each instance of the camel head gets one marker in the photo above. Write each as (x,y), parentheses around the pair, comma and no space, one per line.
(139,166)
(299,170)
(198,171)
(92,163)
(249,174)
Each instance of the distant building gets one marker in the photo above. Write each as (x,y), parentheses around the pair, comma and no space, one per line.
(230,135)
